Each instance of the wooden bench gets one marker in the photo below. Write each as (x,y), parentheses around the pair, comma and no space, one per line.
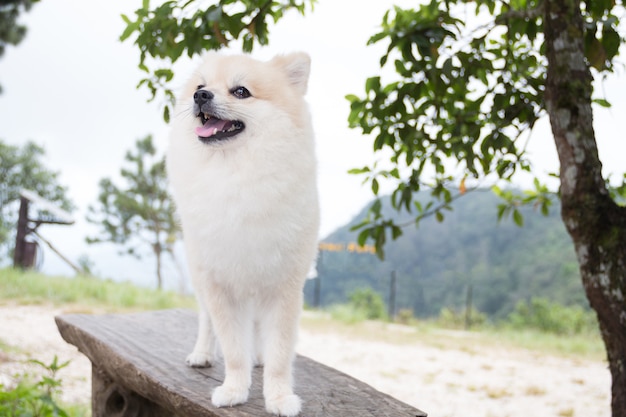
(138,370)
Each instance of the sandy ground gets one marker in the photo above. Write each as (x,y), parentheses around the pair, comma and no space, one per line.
(465,381)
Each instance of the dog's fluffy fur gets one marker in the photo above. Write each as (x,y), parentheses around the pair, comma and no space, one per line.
(242,167)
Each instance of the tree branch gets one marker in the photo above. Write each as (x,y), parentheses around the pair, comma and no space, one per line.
(441,206)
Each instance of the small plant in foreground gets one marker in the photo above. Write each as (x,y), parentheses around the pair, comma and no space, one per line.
(34,398)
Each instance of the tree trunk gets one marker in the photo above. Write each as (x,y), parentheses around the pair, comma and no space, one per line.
(595,222)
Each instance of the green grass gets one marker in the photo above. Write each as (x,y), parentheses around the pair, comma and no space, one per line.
(80,294)
(91,294)
(587,345)
(26,287)
(346,314)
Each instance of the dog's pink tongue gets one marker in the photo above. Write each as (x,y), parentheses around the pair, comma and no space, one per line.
(211,127)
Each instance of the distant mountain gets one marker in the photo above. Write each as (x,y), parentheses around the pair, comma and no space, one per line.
(437,263)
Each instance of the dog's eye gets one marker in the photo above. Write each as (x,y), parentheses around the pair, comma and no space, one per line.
(200,87)
(240,92)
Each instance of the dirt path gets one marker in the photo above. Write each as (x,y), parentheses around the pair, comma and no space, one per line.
(466,381)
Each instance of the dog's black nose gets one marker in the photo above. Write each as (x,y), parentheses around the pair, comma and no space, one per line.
(202,96)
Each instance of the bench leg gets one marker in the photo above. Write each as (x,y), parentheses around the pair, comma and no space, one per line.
(108,399)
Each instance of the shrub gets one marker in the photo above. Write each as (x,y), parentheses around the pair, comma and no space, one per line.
(369,302)
(405,316)
(346,313)
(457,319)
(544,315)
(363,304)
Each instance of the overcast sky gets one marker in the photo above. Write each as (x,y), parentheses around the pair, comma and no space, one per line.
(70,86)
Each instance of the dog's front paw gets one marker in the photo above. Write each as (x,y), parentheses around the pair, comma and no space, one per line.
(198,360)
(224,396)
(286,405)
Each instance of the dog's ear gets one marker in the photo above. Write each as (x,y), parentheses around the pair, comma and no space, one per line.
(296,66)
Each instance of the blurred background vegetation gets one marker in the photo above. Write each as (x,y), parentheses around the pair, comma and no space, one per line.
(467,262)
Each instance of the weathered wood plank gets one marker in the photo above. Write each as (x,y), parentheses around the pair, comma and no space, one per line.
(144,353)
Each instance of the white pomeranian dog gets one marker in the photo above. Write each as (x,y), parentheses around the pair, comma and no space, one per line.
(241,162)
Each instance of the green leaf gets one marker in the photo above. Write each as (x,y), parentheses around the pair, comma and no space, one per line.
(362,238)
(602,102)
(611,42)
(355,171)
(375,186)
(595,52)
(213,14)
(518,218)
(360,225)
(130,28)
(372,84)
(377,37)
(502,209)
(164,73)
(380,239)
(376,208)
(396,232)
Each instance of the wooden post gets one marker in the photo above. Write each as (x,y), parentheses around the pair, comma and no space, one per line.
(20,237)
(317,294)
(468,307)
(392,296)
(24,254)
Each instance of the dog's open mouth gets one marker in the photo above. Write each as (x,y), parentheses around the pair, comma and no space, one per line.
(213,129)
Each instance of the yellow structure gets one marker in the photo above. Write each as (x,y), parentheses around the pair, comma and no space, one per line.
(350,247)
